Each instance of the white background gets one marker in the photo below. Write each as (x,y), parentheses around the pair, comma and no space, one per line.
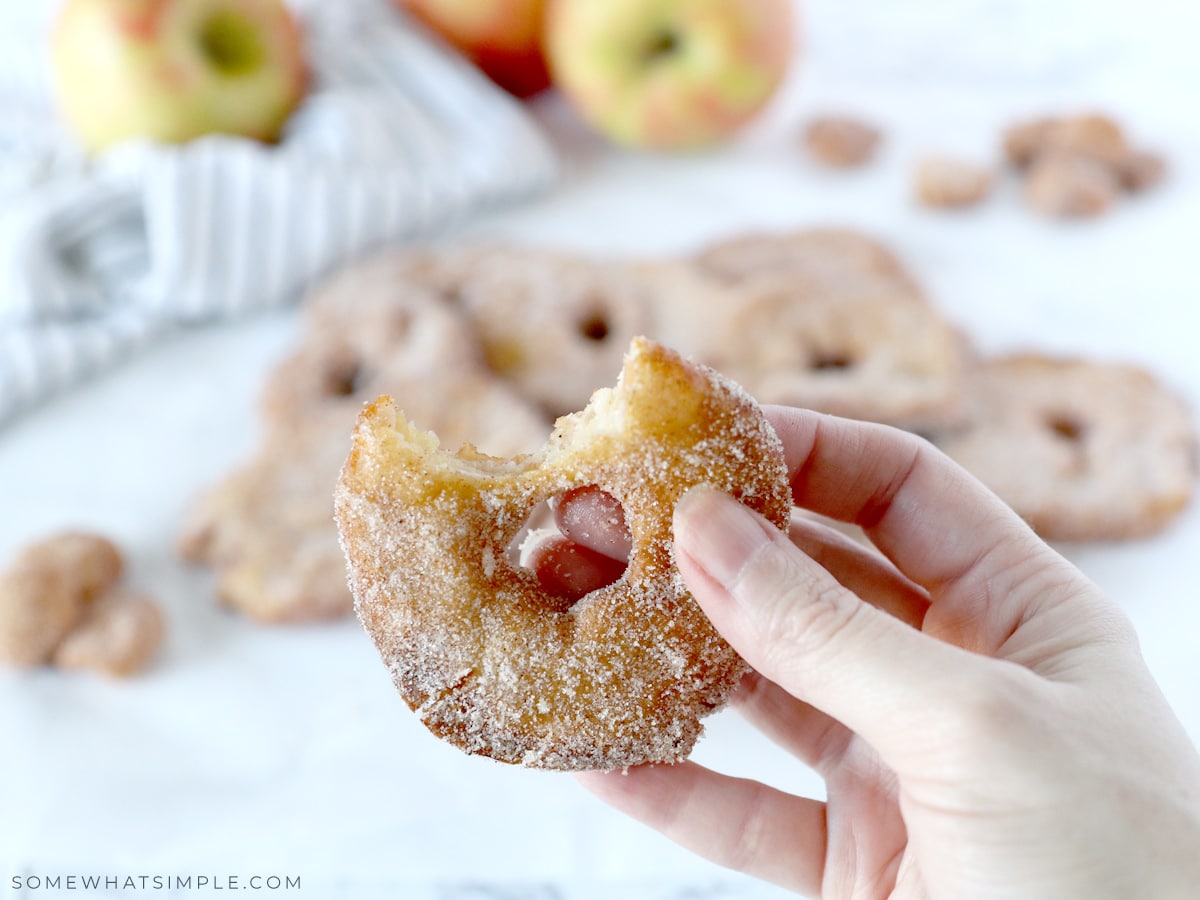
(284,750)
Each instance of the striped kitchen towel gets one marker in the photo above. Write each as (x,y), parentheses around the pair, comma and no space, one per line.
(397,137)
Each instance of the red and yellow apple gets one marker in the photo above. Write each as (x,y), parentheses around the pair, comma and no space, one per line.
(172,70)
(502,37)
(669,74)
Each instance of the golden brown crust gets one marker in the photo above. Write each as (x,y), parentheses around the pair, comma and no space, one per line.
(489,661)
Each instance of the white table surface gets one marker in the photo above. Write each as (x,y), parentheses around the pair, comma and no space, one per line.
(253,750)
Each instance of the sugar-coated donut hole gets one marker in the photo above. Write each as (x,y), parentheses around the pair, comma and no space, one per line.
(1066,426)
(830,361)
(343,378)
(594,327)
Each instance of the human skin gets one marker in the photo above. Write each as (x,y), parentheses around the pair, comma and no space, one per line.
(981,713)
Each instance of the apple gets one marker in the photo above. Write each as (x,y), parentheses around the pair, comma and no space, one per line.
(502,37)
(669,74)
(172,70)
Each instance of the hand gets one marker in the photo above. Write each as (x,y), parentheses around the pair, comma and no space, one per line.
(980,712)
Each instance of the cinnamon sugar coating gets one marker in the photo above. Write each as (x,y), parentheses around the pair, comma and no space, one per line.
(486,658)
(830,319)
(118,636)
(47,588)
(841,142)
(1078,166)
(948,183)
(267,527)
(1081,449)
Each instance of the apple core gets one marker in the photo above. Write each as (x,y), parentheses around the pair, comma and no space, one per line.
(231,43)
(662,46)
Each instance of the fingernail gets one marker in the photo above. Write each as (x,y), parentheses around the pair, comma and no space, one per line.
(718,534)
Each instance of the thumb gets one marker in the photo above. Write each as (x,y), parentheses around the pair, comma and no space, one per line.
(795,624)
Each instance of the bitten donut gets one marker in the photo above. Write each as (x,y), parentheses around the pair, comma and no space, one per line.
(267,527)
(487,659)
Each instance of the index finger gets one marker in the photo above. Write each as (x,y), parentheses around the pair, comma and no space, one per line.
(941,527)
(594,519)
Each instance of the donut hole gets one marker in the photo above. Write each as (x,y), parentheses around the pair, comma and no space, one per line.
(400,323)
(343,378)
(594,327)
(830,361)
(1066,427)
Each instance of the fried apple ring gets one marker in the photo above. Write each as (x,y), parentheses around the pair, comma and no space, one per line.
(490,661)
